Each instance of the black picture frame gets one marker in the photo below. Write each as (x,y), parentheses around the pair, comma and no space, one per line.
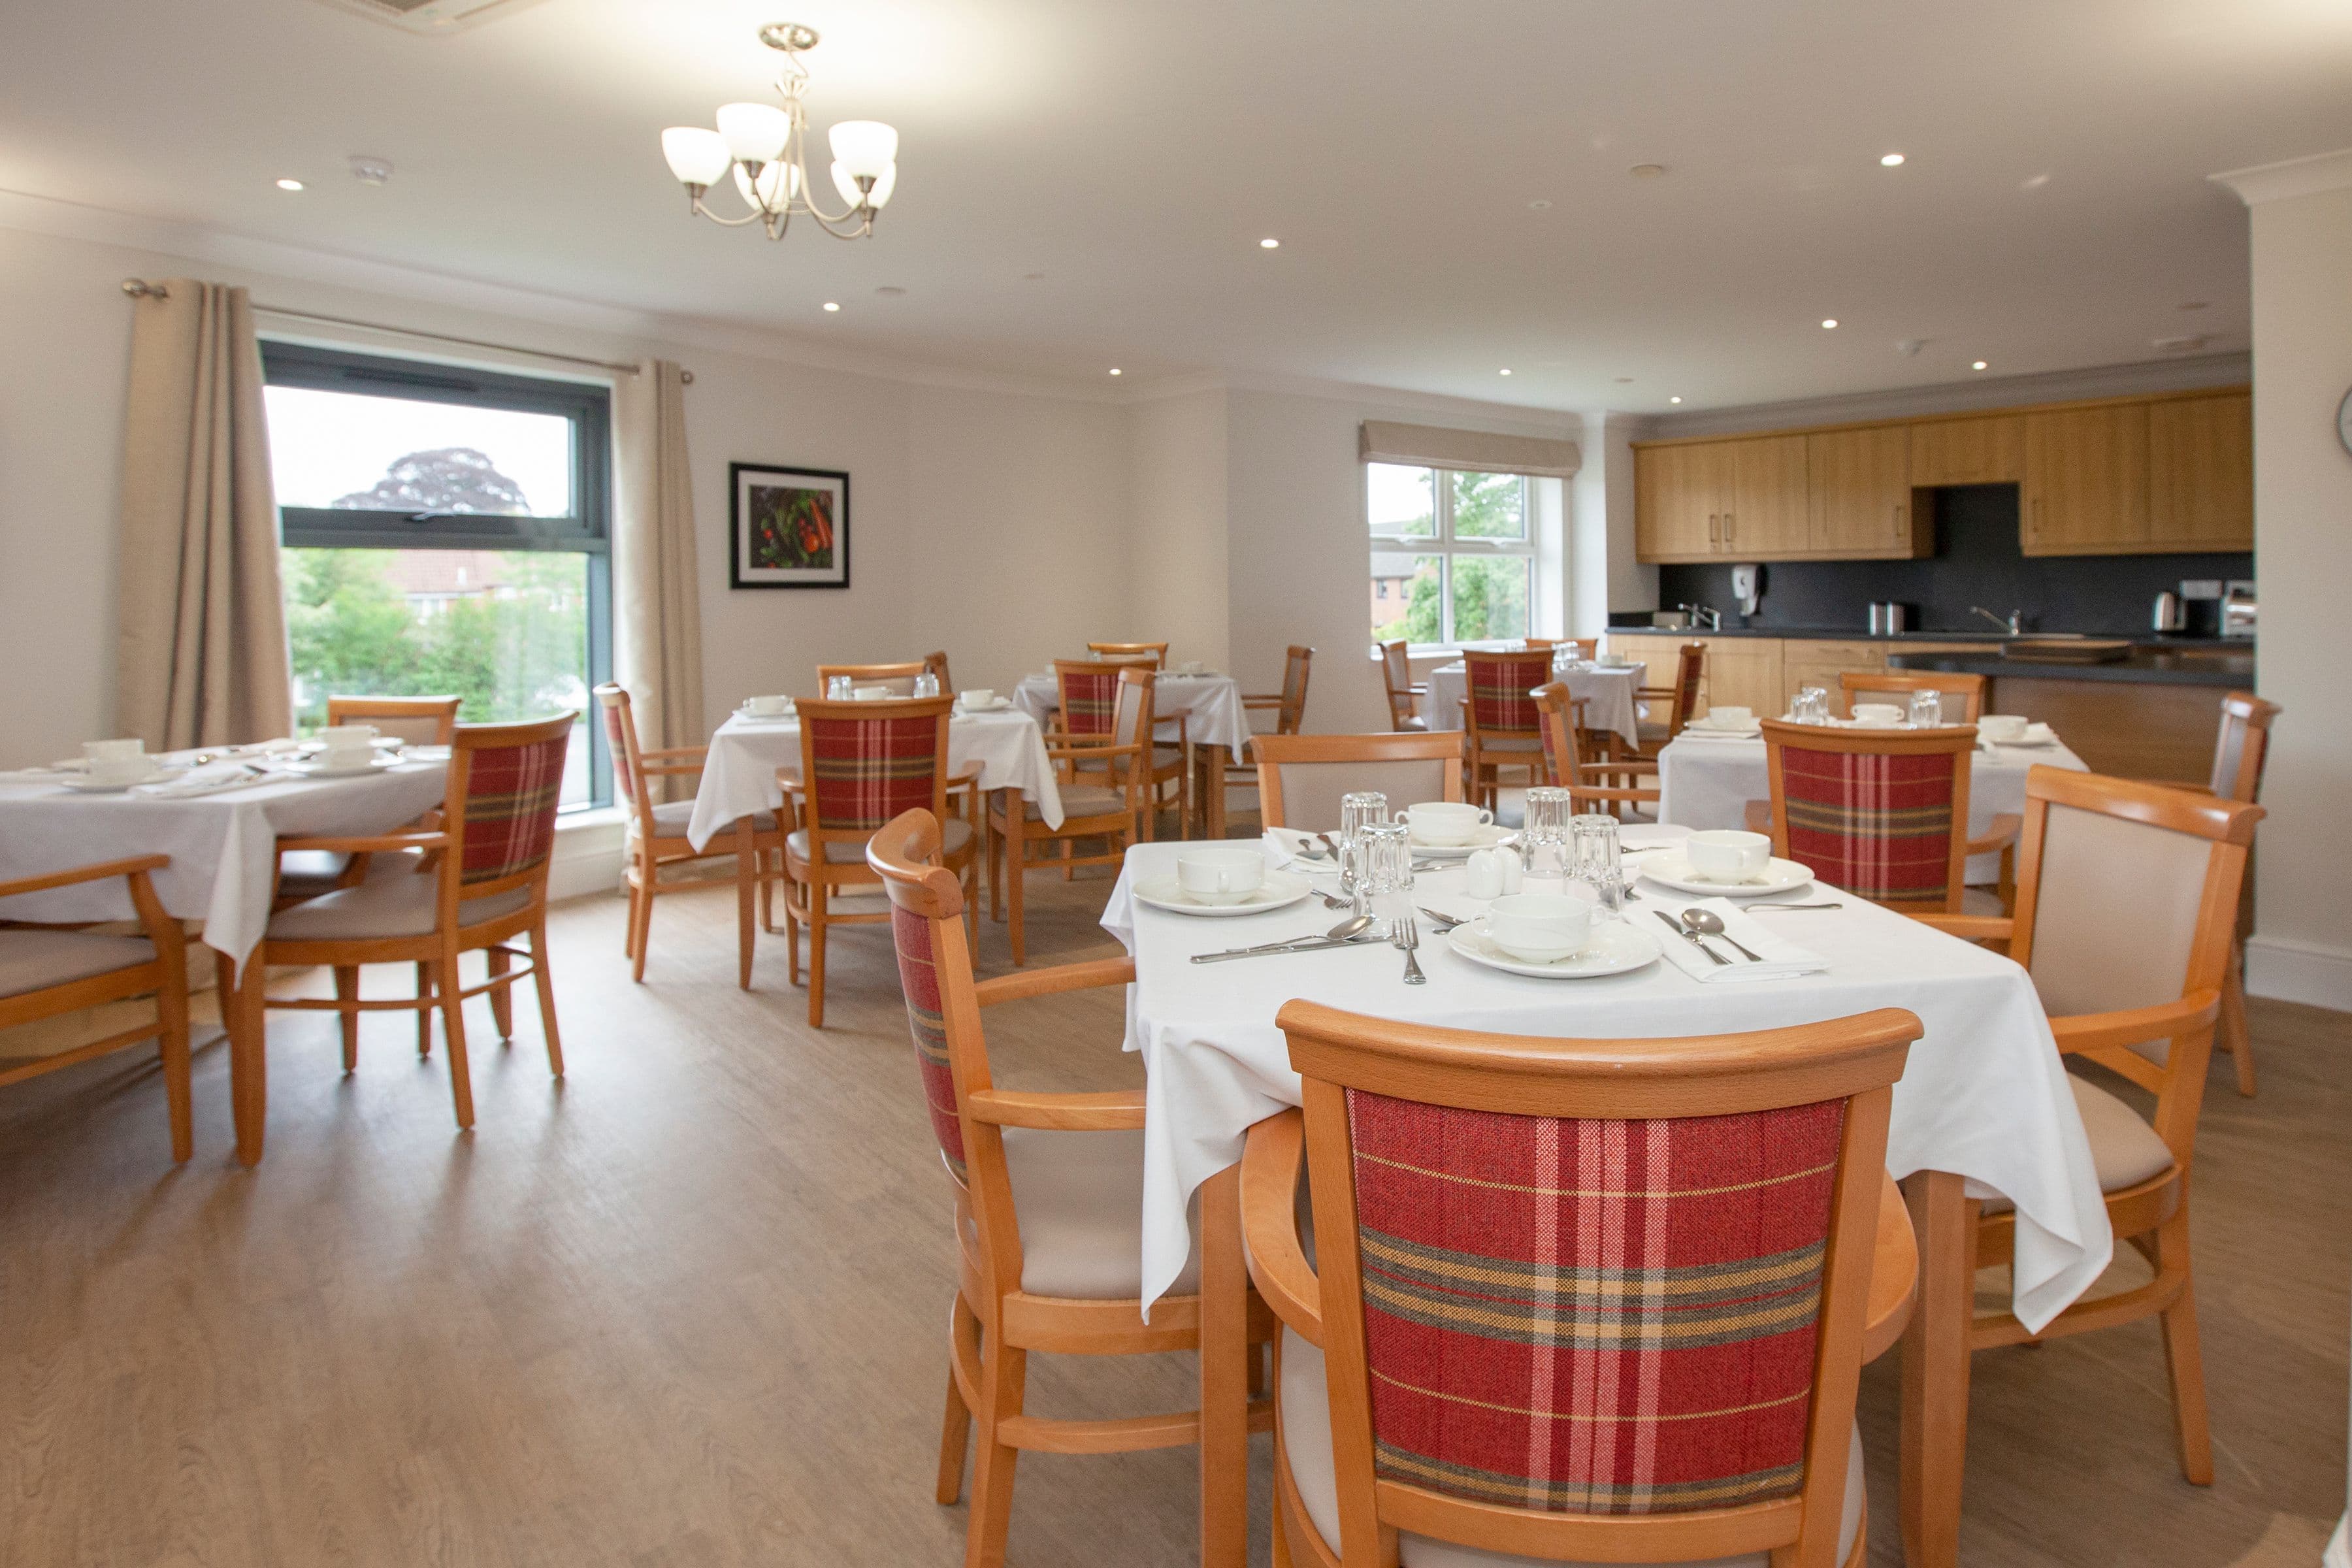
(756,526)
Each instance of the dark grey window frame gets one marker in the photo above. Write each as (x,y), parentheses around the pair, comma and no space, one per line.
(586,531)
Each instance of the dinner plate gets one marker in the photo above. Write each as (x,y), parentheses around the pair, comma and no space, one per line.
(1672,869)
(994,705)
(95,786)
(1748,731)
(1615,949)
(1279,891)
(743,710)
(318,769)
(1488,835)
(2036,734)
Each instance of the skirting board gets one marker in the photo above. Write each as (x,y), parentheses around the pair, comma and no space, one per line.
(2291,971)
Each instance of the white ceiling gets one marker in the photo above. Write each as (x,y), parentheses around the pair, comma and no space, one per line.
(1134,151)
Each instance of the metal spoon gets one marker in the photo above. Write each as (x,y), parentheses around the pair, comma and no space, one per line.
(1708,924)
(1761,906)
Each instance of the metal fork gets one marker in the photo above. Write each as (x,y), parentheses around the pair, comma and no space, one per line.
(1406,935)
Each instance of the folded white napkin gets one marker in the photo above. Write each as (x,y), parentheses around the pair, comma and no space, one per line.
(1634,837)
(210,779)
(1782,959)
(1285,846)
(1701,732)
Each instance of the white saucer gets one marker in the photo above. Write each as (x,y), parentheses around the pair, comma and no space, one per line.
(743,710)
(1279,891)
(1488,835)
(318,769)
(92,786)
(2036,734)
(1613,949)
(1709,726)
(996,704)
(1672,869)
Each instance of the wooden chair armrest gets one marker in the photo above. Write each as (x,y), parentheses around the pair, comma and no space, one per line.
(1115,1111)
(1277,1260)
(1894,1275)
(659,770)
(1084,752)
(963,781)
(380,844)
(98,872)
(1262,701)
(2137,1026)
(1971,928)
(1051,982)
(1759,817)
(1999,835)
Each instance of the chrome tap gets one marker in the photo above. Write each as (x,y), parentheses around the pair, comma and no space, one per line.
(1701,616)
(2014,626)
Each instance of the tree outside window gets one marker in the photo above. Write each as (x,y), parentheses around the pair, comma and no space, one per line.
(1469,570)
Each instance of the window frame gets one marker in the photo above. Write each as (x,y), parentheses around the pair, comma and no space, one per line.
(586,531)
(1446,545)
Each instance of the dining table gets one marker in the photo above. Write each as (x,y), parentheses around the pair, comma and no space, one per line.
(1001,745)
(1706,780)
(1606,691)
(1215,725)
(1982,1110)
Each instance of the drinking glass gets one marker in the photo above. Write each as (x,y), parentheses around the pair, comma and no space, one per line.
(1357,811)
(1384,884)
(1926,709)
(1544,849)
(836,688)
(1811,707)
(1599,863)
(927,684)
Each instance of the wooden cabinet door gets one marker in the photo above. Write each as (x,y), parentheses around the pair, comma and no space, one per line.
(1989,450)
(2202,473)
(1859,483)
(1678,502)
(2085,489)
(1743,673)
(1767,515)
(1808,663)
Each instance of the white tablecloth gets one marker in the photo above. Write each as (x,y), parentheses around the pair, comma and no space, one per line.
(1608,695)
(1212,706)
(738,775)
(224,847)
(1705,781)
(1983,1096)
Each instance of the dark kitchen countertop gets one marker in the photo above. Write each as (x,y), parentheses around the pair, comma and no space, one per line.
(1987,635)
(2176,662)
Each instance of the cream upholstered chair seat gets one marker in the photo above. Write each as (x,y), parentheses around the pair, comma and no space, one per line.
(36,960)
(2125,1150)
(1080,1199)
(671,818)
(955,832)
(1306,1442)
(1512,744)
(1083,800)
(394,900)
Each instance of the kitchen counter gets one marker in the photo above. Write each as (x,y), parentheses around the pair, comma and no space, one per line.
(1985,635)
(2178,662)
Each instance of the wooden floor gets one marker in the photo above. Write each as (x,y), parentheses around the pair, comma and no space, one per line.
(686,1309)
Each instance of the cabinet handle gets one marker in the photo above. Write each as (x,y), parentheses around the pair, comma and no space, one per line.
(1728,524)
(1714,529)
(1898,520)
(2036,523)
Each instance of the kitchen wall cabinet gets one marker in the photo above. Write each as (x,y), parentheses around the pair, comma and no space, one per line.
(2086,480)
(1859,494)
(2202,473)
(1769,499)
(1680,494)
(1988,449)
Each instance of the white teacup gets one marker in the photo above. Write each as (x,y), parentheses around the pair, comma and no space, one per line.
(1727,854)
(1190,666)
(768,707)
(1879,715)
(348,745)
(1445,823)
(1220,876)
(1542,928)
(115,761)
(2003,729)
(1731,718)
(979,696)
(869,693)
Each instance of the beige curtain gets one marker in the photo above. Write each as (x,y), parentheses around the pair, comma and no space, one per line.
(201,642)
(656,596)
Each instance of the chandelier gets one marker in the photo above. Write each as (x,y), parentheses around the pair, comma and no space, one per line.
(767,148)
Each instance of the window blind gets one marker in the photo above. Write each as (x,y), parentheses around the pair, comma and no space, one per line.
(1473,451)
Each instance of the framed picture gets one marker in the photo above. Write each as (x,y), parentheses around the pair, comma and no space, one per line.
(788,528)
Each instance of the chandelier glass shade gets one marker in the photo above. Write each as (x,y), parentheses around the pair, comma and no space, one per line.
(765,146)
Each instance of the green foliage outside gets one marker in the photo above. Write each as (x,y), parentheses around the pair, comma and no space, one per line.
(1490,594)
(519,653)
(1489,506)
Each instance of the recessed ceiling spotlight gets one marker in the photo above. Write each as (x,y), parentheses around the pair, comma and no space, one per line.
(2033,181)
(1673,400)
(833,304)
(1540,206)
(1647,171)
(1506,370)
(1116,370)
(1890,161)
(1829,323)
(1979,365)
(1269,244)
(289,184)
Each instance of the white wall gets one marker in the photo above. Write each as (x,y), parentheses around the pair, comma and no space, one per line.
(991,523)
(1176,553)
(2303,550)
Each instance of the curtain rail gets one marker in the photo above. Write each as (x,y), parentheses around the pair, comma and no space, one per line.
(139,288)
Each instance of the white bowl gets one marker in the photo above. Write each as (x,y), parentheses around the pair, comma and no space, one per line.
(1445,823)
(1542,928)
(1727,854)
(1221,876)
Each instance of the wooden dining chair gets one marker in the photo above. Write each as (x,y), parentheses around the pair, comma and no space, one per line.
(1300,778)
(1602,788)
(1500,729)
(1289,705)
(900,675)
(2127,910)
(657,837)
(1153,654)
(2241,751)
(1679,701)
(1587,1300)
(937,665)
(1048,1195)
(46,971)
(1896,687)
(1104,755)
(862,763)
(412,720)
(1396,673)
(473,885)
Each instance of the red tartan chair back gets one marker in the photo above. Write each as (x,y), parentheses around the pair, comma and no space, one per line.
(1882,814)
(865,763)
(505,783)
(1089,696)
(1572,1278)
(1498,687)
(924,905)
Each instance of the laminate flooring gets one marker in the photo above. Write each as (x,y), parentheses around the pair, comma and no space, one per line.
(687,1308)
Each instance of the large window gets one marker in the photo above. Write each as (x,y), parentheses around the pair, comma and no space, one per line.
(445,534)
(1454,554)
